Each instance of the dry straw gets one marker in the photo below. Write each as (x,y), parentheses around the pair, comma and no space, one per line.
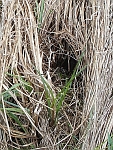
(36,34)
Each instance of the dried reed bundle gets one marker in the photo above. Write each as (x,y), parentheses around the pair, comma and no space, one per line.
(99,82)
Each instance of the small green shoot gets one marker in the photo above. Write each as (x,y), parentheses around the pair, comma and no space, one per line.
(55,103)
(10,89)
(39,11)
(12,109)
(23,83)
(26,85)
(110,142)
(15,118)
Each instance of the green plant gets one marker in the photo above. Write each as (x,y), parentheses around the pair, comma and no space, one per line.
(109,144)
(23,83)
(8,104)
(12,109)
(39,10)
(55,102)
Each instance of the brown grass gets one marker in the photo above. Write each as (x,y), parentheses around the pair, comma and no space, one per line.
(28,44)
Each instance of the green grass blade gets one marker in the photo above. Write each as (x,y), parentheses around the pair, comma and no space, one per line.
(41,11)
(11,115)
(11,104)
(51,101)
(12,75)
(16,110)
(110,143)
(48,90)
(61,96)
(10,89)
(7,95)
(26,84)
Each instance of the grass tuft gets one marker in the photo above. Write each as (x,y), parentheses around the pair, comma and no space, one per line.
(58,106)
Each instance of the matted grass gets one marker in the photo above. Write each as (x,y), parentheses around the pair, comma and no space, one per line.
(40,45)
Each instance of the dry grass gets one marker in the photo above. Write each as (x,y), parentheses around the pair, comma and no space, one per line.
(40,39)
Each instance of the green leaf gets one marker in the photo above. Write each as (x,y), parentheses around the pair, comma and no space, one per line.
(10,89)
(11,104)
(110,143)
(17,110)
(51,101)
(26,84)
(56,102)
(7,95)
(16,120)
(41,11)
(61,96)
(48,90)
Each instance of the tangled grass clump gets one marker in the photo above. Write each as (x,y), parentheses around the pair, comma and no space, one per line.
(48,99)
